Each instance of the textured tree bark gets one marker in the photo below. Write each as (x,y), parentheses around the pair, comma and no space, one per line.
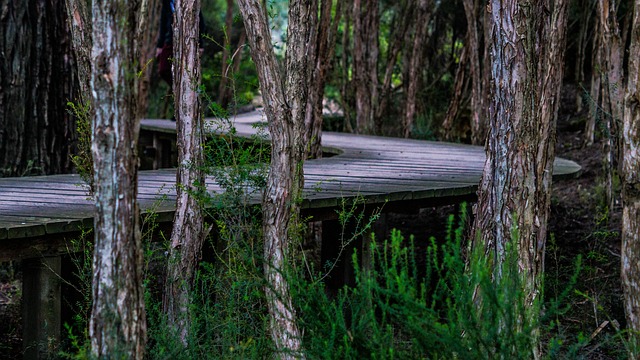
(514,193)
(285,105)
(80,24)
(365,63)
(415,63)
(37,78)
(322,48)
(118,325)
(630,253)
(147,31)
(188,231)
(478,112)
(611,97)
(594,90)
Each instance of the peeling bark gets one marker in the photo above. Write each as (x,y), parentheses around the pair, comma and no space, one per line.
(118,326)
(514,193)
(188,233)
(285,100)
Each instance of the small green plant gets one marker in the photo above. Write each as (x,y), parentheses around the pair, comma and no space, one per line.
(82,159)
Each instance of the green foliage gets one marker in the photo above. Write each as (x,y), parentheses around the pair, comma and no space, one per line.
(83,159)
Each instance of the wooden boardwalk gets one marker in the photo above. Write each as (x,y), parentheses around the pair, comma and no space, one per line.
(401,172)
(40,215)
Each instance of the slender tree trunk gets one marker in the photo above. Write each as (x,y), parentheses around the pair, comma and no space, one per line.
(630,253)
(478,120)
(226,50)
(37,78)
(594,102)
(582,41)
(322,49)
(458,89)
(515,189)
(188,231)
(147,31)
(80,25)
(285,104)
(118,326)
(611,98)
(415,63)
(365,63)
(346,84)
(400,26)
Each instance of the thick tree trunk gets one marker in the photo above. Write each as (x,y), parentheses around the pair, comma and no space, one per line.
(285,104)
(188,231)
(415,63)
(515,189)
(631,184)
(365,63)
(37,78)
(118,326)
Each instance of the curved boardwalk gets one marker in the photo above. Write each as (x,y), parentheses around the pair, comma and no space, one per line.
(400,172)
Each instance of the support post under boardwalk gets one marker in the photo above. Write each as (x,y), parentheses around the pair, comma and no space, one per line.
(41,306)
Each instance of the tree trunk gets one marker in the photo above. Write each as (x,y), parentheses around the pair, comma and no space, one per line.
(118,326)
(478,120)
(80,24)
(188,231)
(515,189)
(458,89)
(285,105)
(630,253)
(148,18)
(415,63)
(611,97)
(365,63)
(322,49)
(594,91)
(37,78)
(226,50)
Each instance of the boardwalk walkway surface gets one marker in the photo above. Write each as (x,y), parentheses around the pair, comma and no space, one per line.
(400,171)
(39,215)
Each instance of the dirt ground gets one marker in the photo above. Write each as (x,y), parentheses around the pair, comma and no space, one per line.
(579,225)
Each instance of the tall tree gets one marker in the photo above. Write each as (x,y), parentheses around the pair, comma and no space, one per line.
(478,109)
(415,58)
(514,192)
(188,231)
(37,78)
(118,326)
(366,27)
(285,105)
(322,46)
(630,253)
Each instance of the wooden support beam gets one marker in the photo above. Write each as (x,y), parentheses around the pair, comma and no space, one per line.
(41,301)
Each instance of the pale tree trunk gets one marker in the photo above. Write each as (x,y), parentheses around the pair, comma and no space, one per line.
(416,60)
(37,78)
(147,31)
(322,47)
(630,253)
(188,231)
(285,100)
(515,189)
(118,326)
(365,63)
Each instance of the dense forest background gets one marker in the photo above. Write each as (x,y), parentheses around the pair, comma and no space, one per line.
(407,68)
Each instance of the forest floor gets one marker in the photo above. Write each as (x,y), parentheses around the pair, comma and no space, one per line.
(580,226)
